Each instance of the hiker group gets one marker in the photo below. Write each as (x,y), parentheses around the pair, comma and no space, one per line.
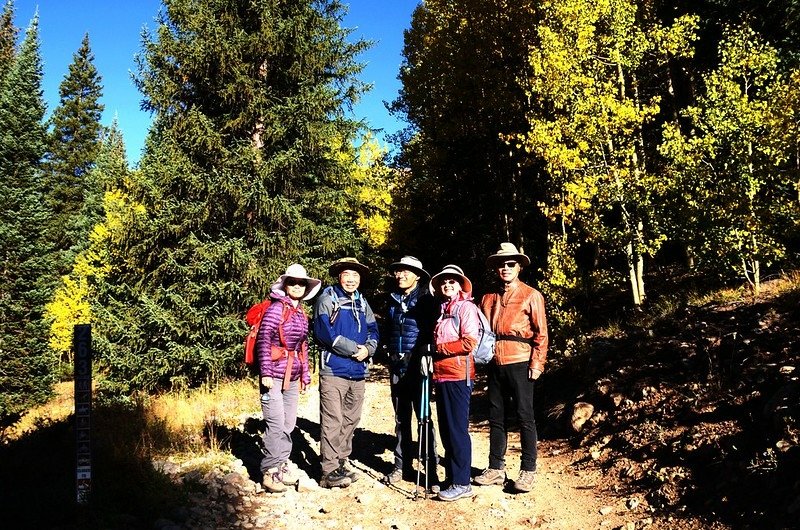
(433,332)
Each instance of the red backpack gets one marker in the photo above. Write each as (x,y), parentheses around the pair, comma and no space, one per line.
(253,318)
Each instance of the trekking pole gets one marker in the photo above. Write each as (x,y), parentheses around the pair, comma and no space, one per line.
(420,434)
(427,416)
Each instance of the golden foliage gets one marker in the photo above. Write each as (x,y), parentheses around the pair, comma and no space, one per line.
(372,187)
(71,304)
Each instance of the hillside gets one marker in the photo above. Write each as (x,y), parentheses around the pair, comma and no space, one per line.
(695,408)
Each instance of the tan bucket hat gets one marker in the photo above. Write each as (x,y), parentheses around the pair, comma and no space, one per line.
(507,252)
(347,264)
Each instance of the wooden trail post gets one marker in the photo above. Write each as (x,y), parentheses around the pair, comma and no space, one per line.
(82,346)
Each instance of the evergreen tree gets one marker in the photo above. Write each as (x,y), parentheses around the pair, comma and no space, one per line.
(8,38)
(74,143)
(110,173)
(25,277)
(241,175)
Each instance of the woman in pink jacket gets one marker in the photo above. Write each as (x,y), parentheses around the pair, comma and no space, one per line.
(282,347)
(456,335)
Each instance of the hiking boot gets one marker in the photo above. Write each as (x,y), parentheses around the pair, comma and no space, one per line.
(525,481)
(290,473)
(273,480)
(335,479)
(348,471)
(490,476)
(455,492)
(394,477)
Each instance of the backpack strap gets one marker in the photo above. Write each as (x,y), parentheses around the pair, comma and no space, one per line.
(514,338)
(290,354)
(285,310)
(331,292)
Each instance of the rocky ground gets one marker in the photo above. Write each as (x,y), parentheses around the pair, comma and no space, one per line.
(567,495)
(690,421)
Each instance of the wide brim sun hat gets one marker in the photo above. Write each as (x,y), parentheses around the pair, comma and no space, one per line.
(450,270)
(351,264)
(507,252)
(411,263)
(298,272)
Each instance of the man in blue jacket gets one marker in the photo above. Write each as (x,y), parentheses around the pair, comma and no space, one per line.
(408,334)
(345,328)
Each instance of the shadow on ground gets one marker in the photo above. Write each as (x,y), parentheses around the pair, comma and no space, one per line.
(39,479)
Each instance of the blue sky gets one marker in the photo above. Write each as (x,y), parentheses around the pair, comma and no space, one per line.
(114,34)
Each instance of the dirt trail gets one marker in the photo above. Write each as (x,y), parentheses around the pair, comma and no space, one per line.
(562,498)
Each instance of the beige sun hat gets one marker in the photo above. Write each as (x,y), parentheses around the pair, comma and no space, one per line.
(508,252)
(351,264)
(411,263)
(297,271)
(450,270)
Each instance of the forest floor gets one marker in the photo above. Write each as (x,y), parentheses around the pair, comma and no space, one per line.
(691,420)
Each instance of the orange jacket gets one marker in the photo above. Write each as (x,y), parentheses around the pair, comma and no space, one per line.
(519,312)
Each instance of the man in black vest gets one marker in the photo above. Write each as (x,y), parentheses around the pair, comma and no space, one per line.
(409,332)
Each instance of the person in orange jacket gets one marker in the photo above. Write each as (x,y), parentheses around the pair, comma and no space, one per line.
(455,335)
(516,314)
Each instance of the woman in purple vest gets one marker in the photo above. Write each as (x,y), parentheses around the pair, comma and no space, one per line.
(282,348)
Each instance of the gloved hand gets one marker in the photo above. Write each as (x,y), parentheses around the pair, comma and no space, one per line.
(426,365)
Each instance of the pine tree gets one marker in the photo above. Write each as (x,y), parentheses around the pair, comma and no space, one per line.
(8,38)
(110,173)
(25,277)
(74,144)
(241,175)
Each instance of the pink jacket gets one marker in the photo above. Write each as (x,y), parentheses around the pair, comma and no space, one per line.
(454,346)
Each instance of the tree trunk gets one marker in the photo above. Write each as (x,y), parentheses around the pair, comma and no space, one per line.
(634,274)
(636,265)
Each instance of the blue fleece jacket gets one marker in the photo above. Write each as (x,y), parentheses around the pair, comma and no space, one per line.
(342,322)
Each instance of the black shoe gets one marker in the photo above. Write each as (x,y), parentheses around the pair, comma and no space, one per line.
(394,477)
(346,471)
(335,479)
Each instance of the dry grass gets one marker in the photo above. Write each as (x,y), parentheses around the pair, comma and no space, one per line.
(771,287)
(57,409)
(174,422)
(191,418)
(786,283)
(224,403)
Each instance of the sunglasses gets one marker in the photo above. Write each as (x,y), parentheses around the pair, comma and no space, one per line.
(507,264)
(449,281)
(291,282)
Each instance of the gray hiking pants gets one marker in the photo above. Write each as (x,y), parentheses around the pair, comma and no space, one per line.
(340,402)
(279,408)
